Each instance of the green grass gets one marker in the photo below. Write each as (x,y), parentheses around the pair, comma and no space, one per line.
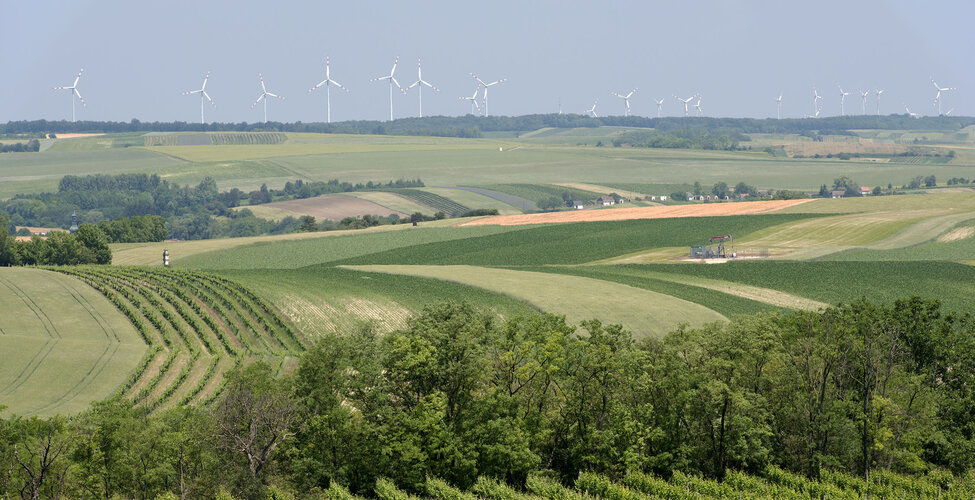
(292,254)
(63,345)
(575,243)
(956,250)
(36,172)
(644,312)
(322,299)
(833,282)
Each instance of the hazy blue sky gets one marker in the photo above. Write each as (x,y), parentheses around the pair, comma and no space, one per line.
(140,56)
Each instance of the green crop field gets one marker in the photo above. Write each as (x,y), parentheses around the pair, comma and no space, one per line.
(63,344)
(272,254)
(572,243)
(321,300)
(645,312)
(197,325)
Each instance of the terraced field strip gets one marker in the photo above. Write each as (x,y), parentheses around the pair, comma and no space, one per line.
(644,312)
(524,204)
(766,295)
(474,200)
(63,344)
(601,189)
(199,325)
(330,206)
(440,203)
(662,212)
(392,201)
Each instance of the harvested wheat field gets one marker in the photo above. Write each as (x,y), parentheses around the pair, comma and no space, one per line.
(330,206)
(662,212)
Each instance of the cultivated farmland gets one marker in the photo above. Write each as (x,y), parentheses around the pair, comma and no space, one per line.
(63,344)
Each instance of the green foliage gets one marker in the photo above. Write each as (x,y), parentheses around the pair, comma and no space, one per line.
(685,138)
(140,228)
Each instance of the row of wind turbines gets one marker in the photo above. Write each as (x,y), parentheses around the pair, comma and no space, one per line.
(482,87)
(328,83)
(817,108)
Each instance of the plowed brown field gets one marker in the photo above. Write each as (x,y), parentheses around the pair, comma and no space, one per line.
(662,212)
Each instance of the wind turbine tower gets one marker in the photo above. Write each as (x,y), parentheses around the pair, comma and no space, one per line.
(685,102)
(626,99)
(592,111)
(392,81)
(778,107)
(74,92)
(420,82)
(473,100)
(328,82)
(937,98)
(863,100)
(203,96)
(660,105)
(264,96)
(486,85)
(842,100)
(878,92)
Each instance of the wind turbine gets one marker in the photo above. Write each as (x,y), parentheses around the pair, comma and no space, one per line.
(328,82)
(685,101)
(778,107)
(842,100)
(816,98)
(592,110)
(700,112)
(392,81)
(203,96)
(863,97)
(486,85)
(263,97)
(74,92)
(473,100)
(878,92)
(420,81)
(660,105)
(937,98)
(913,115)
(626,99)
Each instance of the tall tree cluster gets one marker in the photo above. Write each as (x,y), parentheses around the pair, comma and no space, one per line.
(458,395)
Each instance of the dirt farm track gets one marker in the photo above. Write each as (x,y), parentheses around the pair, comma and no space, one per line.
(661,212)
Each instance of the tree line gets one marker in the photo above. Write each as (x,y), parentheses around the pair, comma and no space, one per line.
(31,146)
(473,126)
(458,394)
(88,245)
(149,205)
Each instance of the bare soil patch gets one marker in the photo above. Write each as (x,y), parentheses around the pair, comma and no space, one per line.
(660,212)
(957,234)
(75,136)
(333,207)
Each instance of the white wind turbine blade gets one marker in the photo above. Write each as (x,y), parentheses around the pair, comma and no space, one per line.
(428,85)
(82,99)
(205,78)
(397,84)
(259,99)
(393,71)
(208,97)
(339,85)
(275,96)
(319,84)
(75,84)
(263,87)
